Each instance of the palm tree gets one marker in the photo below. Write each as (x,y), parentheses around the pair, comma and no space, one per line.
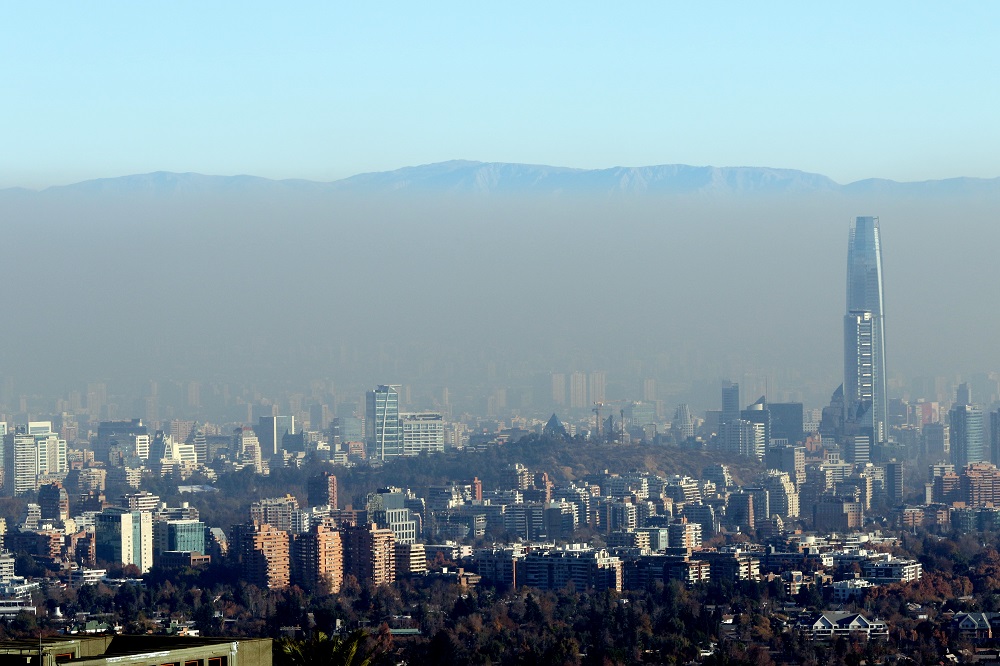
(350,650)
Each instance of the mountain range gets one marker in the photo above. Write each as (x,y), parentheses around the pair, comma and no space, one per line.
(469,177)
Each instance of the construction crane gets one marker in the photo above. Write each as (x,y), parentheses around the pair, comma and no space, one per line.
(597,413)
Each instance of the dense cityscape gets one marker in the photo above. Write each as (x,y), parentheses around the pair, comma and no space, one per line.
(608,531)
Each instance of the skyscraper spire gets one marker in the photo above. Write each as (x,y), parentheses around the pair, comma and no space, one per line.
(864,331)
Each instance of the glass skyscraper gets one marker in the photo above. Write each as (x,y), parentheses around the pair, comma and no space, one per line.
(382,428)
(864,331)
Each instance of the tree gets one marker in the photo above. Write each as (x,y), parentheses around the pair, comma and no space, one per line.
(350,650)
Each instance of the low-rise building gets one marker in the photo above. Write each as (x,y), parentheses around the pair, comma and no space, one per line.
(830,625)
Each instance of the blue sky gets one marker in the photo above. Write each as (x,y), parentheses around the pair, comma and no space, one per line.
(907,91)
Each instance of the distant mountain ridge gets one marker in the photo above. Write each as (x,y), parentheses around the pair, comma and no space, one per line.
(469,177)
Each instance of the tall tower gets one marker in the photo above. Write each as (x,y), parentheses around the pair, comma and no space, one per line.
(864,330)
(966,435)
(382,429)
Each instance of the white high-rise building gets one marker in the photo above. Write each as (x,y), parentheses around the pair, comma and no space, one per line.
(33,454)
(423,432)
(783,495)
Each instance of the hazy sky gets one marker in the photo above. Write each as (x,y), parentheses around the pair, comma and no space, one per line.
(907,91)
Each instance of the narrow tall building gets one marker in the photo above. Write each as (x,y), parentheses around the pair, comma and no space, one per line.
(322,490)
(383,434)
(864,331)
(369,553)
(262,554)
(318,558)
(967,447)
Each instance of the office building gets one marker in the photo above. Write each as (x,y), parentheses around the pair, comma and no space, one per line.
(126,435)
(936,441)
(383,434)
(730,402)
(422,433)
(124,536)
(178,535)
(270,430)
(967,444)
(788,458)
(865,397)
(758,413)
(787,421)
(894,482)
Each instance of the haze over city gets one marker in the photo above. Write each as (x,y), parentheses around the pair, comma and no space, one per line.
(482,283)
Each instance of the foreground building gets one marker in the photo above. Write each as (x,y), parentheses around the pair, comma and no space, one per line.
(106,650)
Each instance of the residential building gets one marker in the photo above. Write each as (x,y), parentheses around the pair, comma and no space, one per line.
(587,568)
(262,552)
(369,553)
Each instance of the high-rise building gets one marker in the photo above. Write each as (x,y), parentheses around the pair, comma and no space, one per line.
(787,421)
(559,388)
(262,553)
(759,413)
(937,441)
(124,536)
(864,331)
(270,430)
(178,535)
(596,386)
(422,432)
(894,482)
(783,496)
(53,500)
(322,490)
(33,455)
(730,402)
(278,512)
(995,437)
(578,391)
(683,423)
(247,447)
(967,444)
(369,553)
(383,434)
(318,558)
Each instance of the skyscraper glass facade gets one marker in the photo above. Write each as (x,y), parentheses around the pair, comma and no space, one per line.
(864,330)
